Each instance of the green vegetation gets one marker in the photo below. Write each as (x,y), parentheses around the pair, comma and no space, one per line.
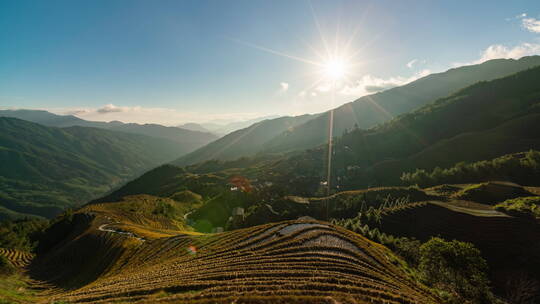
(368,111)
(496,118)
(286,134)
(522,206)
(15,290)
(21,234)
(523,168)
(6,268)
(45,170)
(457,268)
(186,140)
(491,192)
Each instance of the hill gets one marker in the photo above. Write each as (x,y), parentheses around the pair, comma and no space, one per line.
(107,258)
(193,127)
(304,132)
(45,170)
(187,140)
(371,110)
(244,142)
(496,118)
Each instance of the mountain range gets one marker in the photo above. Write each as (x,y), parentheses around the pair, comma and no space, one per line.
(47,169)
(244,216)
(306,132)
(187,140)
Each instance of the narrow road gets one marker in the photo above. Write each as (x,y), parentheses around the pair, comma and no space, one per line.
(125,233)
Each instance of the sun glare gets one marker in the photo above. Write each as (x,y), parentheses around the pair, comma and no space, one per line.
(334,69)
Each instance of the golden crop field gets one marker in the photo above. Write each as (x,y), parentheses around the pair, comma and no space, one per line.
(17,257)
(112,261)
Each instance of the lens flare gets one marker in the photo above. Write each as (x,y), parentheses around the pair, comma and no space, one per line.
(192,249)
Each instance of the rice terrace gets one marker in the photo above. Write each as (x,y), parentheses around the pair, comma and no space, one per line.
(269,151)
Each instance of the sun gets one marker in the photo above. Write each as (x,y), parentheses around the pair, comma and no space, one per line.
(334,69)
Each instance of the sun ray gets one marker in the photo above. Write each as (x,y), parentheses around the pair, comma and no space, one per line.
(271,51)
(317,24)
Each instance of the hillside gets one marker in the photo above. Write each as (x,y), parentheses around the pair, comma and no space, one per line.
(371,110)
(483,121)
(495,118)
(244,142)
(304,132)
(108,258)
(45,170)
(187,140)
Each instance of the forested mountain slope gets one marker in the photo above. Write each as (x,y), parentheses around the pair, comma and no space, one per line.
(45,169)
(371,110)
(187,140)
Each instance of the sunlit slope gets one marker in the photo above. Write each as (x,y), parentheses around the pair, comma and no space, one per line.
(303,132)
(371,110)
(244,142)
(108,257)
(483,121)
(16,257)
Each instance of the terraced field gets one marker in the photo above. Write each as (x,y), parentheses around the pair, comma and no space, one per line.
(285,262)
(17,257)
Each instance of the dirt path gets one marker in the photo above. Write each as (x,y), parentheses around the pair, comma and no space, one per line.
(484,211)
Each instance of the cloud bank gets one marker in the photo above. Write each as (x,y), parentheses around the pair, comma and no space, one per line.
(370,84)
(138,114)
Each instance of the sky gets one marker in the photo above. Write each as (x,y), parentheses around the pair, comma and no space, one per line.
(173,62)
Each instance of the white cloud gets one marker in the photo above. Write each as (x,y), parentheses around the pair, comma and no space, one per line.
(531,24)
(323,88)
(411,63)
(138,114)
(498,51)
(520,16)
(370,84)
(284,86)
(110,108)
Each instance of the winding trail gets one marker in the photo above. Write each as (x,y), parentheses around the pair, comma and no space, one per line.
(125,233)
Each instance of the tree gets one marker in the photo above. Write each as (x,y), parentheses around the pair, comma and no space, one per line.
(456,268)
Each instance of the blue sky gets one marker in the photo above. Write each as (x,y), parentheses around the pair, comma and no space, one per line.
(178,61)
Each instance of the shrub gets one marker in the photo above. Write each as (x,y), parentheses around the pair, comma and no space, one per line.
(521,206)
(456,268)
(6,268)
(520,168)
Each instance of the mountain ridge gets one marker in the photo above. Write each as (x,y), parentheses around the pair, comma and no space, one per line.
(365,112)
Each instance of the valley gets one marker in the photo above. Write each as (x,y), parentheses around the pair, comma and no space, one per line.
(417,184)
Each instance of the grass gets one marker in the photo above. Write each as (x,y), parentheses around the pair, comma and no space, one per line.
(522,206)
(14,289)
(491,192)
